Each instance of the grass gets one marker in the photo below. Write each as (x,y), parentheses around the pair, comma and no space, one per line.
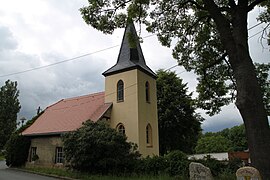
(2,157)
(84,176)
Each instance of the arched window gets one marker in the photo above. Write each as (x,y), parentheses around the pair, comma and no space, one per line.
(121,128)
(120,91)
(148,135)
(147,93)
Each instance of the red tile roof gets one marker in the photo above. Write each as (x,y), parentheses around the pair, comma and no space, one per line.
(69,114)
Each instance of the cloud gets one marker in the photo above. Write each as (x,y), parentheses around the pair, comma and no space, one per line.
(7,40)
(35,33)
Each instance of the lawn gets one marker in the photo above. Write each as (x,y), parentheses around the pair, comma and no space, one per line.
(2,157)
(84,176)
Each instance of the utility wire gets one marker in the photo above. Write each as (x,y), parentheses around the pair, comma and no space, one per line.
(255,26)
(66,60)
(257,33)
(59,62)
(88,54)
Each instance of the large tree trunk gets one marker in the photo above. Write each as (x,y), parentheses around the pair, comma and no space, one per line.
(249,96)
(249,102)
(234,37)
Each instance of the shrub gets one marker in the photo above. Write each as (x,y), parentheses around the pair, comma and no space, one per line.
(35,157)
(17,150)
(216,167)
(155,165)
(177,163)
(233,165)
(97,148)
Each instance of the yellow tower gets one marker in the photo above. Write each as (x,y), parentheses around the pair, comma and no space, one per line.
(131,86)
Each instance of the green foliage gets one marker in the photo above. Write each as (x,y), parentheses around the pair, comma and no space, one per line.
(9,107)
(210,38)
(17,150)
(155,165)
(237,136)
(263,71)
(178,163)
(198,45)
(219,168)
(179,124)
(17,146)
(174,164)
(99,149)
(213,144)
(79,175)
(229,139)
(35,157)
(2,156)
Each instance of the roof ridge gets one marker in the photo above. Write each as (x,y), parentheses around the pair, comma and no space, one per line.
(83,96)
(54,104)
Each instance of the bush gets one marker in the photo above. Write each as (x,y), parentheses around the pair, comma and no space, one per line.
(17,150)
(233,165)
(98,149)
(215,166)
(155,165)
(177,163)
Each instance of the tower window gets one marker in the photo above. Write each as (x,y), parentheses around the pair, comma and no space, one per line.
(147,92)
(121,128)
(149,135)
(120,91)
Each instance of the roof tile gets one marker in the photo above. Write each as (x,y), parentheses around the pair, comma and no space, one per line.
(69,114)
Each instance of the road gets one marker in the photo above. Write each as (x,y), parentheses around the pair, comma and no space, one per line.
(11,174)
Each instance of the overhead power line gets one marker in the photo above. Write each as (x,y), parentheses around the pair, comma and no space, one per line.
(64,61)
(111,47)
(59,62)
(255,26)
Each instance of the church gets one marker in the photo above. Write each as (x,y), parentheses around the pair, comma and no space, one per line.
(128,104)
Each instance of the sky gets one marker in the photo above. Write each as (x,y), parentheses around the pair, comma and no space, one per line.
(38,33)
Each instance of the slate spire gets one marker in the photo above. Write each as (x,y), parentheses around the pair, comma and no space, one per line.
(130,55)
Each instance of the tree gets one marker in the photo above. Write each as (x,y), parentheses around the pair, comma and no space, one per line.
(262,71)
(99,149)
(9,107)
(17,149)
(210,38)
(235,137)
(213,144)
(178,124)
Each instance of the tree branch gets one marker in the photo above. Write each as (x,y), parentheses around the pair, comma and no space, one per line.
(219,60)
(223,26)
(196,22)
(253,4)
(196,4)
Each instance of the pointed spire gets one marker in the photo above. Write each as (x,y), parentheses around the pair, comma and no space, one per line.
(130,55)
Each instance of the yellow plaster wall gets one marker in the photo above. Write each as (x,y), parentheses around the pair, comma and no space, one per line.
(124,112)
(134,112)
(147,114)
(45,150)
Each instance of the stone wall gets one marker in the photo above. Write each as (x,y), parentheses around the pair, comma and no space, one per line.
(46,149)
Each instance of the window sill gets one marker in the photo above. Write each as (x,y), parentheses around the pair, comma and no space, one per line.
(119,101)
(149,146)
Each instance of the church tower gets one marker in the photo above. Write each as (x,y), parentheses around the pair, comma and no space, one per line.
(131,86)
